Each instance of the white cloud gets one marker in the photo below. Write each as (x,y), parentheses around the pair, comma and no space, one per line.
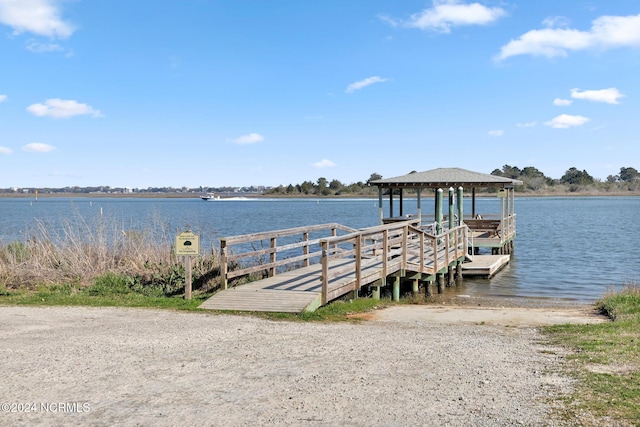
(5,150)
(62,109)
(41,17)
(556,22)
(324,163)
(527,125)
(38,47)
(610,96)
(564,121)
(446,14)
(364,83)
(499,132)
(251,138)
(3,98)
(562,102)
(38,147)
(606,32)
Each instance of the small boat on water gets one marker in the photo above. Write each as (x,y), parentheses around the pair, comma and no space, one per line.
(209,196)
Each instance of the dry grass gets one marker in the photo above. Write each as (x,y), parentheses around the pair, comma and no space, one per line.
(79,252)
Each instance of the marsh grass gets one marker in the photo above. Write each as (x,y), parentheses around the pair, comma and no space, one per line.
(605,359)
(82,252)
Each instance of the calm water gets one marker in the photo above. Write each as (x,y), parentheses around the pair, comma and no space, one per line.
(570,249)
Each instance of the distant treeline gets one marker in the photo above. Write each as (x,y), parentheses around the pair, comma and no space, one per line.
(534,181)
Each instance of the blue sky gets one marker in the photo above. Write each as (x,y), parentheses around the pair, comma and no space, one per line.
(237,93)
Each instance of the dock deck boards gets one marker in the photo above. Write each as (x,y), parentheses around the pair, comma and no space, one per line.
(291,291)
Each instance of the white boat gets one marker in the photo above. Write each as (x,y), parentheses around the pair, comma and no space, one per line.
(210,196)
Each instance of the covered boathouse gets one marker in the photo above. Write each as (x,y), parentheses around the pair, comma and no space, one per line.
(494,231)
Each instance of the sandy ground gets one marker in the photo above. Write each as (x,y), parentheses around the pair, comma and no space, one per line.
(405,365)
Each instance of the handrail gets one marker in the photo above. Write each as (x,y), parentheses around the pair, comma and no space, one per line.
(399,240)
(369,254)
(226,243)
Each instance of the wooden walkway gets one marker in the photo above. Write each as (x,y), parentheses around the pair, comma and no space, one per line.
(343,264)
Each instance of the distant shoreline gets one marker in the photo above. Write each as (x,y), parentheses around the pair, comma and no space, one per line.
(280,196)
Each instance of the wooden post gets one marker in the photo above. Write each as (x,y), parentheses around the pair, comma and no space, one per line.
(272,257)
(439,211)
(187,277)
(325,270)
(460,206)
(419,213)
(358,256)
(376,288)
(427,288)
(380,211)
(223,264)
(452,222)
(415,286)
(305,249)
(473,202)
(396,288)
(451,279)
(401,202)
(440,283)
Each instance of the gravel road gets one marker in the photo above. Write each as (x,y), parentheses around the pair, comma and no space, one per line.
(118,366)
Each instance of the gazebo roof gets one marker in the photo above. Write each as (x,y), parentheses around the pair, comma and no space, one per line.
(446,177)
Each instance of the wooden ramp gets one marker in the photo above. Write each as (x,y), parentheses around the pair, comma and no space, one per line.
(293,291)
(485,265)
(288,292)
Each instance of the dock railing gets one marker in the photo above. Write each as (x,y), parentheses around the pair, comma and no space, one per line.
(390,248)
(266,251)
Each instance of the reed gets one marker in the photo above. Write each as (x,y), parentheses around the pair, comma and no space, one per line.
(79,252)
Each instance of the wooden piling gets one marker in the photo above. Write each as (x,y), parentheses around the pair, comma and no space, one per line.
(451,281)
(427,288)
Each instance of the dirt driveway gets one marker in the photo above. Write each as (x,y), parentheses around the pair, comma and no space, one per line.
(410,365)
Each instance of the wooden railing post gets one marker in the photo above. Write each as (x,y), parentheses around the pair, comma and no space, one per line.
(436,266)
(358,256)
(422,251)
(447,248)
(325,270)
(385,252)
(405,246)
(305,250)
(272,257)
(224,268)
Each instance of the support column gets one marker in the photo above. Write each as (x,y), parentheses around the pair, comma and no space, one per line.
(380,210)
(396,288)
(419,206)
(473,202)
(452,211)
(460,206)
(401,202)
(451,280)
(440,283)
(438,213)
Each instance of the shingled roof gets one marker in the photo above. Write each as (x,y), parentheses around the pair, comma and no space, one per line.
(446,177)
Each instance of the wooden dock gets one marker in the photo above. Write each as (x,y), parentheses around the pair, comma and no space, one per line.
(344,264)
(485,265)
